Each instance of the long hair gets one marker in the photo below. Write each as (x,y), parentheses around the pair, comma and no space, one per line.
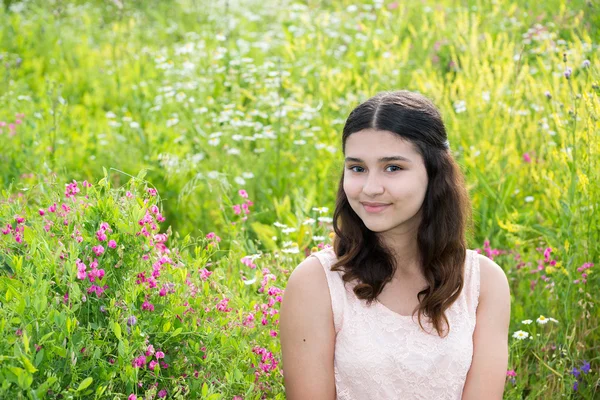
(446,209)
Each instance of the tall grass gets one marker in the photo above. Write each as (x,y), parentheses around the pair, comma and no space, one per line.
(208,98)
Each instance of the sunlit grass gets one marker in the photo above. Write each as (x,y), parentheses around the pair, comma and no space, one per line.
(213,97)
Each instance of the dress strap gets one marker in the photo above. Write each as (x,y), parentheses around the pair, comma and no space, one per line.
(336,286)
(472,282)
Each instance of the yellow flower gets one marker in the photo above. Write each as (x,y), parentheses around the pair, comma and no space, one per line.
(314,249)
(509,226)
(583,181)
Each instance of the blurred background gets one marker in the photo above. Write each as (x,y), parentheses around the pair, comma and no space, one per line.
(227,116)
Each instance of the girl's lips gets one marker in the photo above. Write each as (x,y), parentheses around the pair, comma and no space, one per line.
(375,209)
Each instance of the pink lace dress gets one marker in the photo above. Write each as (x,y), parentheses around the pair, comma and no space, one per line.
(380,354)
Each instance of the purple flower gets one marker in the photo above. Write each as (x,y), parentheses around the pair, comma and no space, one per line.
(575,372)
(585,64)
(585,368)
(575,385)
(568,72)
(548,95)
(132,320)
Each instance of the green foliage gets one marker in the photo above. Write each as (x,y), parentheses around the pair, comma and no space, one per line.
(203,98)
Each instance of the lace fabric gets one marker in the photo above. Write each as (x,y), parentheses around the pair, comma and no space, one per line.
(380,354)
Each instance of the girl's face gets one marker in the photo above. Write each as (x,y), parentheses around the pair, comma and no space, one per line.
(381,167)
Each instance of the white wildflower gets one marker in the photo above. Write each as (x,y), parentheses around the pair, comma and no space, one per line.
(520,335)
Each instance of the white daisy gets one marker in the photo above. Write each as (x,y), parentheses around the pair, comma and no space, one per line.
(526,322)
(542,320)
(520,335)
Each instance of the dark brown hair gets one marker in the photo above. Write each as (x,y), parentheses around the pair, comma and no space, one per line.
(446,209)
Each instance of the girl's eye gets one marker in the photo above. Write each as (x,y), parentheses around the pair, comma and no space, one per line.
(389,166)
(352,168)
(394,166)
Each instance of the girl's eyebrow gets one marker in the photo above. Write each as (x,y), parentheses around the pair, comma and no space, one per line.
(381,160)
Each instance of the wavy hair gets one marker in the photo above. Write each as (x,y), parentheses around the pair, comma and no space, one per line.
(446,209)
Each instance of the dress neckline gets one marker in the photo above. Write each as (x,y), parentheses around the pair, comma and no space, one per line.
(392,312)
(386,310)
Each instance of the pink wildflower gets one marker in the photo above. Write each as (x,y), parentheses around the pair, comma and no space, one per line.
(112,244)
(139,362)
(150,350)
(99,250)
(101,236)
(243,193)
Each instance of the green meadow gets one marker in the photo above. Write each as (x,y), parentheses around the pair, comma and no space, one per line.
(165,165)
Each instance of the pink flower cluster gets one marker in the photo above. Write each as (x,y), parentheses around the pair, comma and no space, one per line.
(489,252)
(222,305)
(237,208)
(12,127)
(93,274)
(141,361)
(71,189)
(584,274)
(101,232)
(147,306)
(212,236)
(267,363)
(204,274)
(247,260)
(148,219)
(17,231)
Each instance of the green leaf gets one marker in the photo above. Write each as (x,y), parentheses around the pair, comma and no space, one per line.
(39,357)
(204,389)
(60,351)
(85,383)
(27,364)
(265,234)
(116,328)
(176,332)
(45,337)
